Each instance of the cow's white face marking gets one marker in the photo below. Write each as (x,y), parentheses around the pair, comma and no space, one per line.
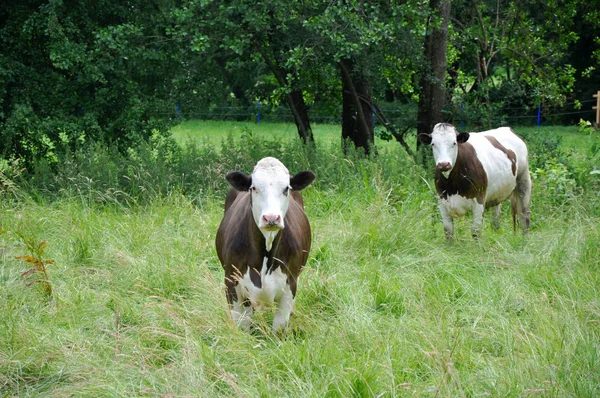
(270,197)
(445,147)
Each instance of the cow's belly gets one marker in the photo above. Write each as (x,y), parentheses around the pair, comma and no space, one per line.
(272,287)
(499,189)
(457,205)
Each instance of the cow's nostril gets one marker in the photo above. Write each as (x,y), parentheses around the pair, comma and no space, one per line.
(271,219)
(444,166)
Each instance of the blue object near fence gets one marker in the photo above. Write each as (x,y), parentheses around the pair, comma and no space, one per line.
(539,118)
(258,111)
(374,115)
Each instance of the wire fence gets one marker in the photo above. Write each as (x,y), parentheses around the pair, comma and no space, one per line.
(403,114)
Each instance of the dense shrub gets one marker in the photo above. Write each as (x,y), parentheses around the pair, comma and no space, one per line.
(543,146)
(160,166)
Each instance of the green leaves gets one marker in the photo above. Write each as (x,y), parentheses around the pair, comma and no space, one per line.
(98,68)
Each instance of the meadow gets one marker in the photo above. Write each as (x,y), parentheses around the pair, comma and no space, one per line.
(133,301)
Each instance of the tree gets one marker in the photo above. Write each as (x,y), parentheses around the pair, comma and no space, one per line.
(369,43)
(267,34)
(79,72)
(433,80)
(584,55)
(510,55)
(357,114)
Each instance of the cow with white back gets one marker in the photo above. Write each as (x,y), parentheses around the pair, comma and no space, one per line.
(264,240)
(476,171)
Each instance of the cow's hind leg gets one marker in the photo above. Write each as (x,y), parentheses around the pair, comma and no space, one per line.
(522,196)
(496,217)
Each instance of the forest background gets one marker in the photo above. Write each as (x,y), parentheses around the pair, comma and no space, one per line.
(79,73)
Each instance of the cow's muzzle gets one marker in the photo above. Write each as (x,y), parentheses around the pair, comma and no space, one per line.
(444,166)
(271,222)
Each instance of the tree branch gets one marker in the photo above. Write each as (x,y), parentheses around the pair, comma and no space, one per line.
(389,126)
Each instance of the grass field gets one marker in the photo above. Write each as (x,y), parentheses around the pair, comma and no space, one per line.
(385,307)
(214,132)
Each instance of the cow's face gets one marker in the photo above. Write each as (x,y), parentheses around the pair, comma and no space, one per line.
(444,142)
(270,184)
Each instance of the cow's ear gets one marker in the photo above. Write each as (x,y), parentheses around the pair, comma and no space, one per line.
(424,139)
(302,179)
(239,180)
(462,137)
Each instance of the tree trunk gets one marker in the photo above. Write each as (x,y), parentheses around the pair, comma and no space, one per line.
(301,118)
(433,94)
(357,113)
(295,99)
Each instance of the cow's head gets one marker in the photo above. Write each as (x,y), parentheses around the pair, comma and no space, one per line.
(444,140)
(270,184)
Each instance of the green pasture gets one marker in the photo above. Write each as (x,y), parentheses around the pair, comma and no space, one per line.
(385,307)
(214,132)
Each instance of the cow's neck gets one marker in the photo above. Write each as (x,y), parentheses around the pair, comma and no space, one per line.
(269,238)
(467,178)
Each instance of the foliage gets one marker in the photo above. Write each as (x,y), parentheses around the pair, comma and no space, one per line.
(73,75)
(36,259)
(592,177)
(10,170)
(554,179)
(512,55)
(586,127)
(76,73)
(544,146)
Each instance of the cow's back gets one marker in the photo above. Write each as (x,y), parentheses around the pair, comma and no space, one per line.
(508,139)
(503,156)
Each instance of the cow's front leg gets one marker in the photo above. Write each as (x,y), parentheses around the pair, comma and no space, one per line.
(241,308)
(285,305)
(447,221)
(478,209)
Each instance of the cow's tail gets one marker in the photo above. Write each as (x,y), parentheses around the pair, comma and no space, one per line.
(514,210)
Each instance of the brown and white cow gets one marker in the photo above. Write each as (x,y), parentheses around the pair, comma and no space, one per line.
(475,171)
(264,240)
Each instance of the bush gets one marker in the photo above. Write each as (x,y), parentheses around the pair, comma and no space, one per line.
(543,146)
(555,180)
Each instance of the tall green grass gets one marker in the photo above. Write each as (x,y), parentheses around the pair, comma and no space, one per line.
(385,306)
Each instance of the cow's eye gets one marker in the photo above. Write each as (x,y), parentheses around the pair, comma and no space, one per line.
(253,189)
(286,191)
(454,144)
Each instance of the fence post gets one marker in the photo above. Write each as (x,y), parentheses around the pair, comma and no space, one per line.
(258,111)
(597,107)
(539,118)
